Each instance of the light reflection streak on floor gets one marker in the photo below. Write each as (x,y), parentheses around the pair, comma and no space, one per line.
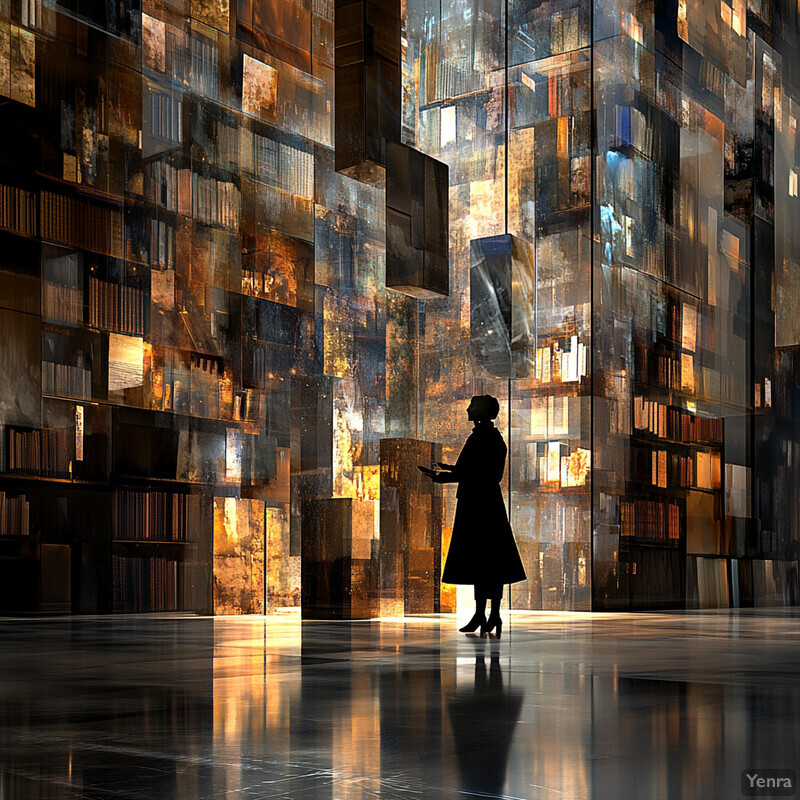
(571,706)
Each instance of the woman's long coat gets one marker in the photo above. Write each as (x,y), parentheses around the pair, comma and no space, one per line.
(482,548)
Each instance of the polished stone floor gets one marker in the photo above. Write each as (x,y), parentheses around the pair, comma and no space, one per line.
(568,706)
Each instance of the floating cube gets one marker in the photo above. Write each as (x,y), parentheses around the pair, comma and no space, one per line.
(367,95)
(339,567)
(502,281)
(417,223)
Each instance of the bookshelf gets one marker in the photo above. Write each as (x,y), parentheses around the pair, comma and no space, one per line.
(77,222)
(145,583)
(18,211)
(672,501)
(15,513)
(62,290)
(116,307)
(650,521)
(44,452)
(152,516)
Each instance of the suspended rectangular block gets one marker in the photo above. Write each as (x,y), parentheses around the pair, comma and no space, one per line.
(311,437)
(411,528)
(367,94)
(502,281)
(339,568)
(238,556)
(283,569)
(417,223)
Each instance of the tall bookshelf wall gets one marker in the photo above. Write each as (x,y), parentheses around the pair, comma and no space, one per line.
(195,323)
(157,297)
(649,156)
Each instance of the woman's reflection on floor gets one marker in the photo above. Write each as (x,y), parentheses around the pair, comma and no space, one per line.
(483,719)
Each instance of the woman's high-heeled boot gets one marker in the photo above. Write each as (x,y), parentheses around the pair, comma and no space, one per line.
(494,622)
(478,621)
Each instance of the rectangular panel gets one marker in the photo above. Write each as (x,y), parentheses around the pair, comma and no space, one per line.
(339,570)
(239,563)
(367,86)
(417,223)
(411,528)
(503,306)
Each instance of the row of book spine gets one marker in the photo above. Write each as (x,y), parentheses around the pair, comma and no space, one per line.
(17,211)
(701,429)
(698,470)
(216,202)
(30,13)
(178,57)
(115,307)
(144,584)
(650,521)
(165,117)
(62,303)
(40,452)
(205,394)
(204,66)
(162,244)
(633,130)
(79,223)
(192,392)
(190,61)
(565,366)
(212,201)
(161,184)
(445,79)
(672,423)
(668,372)
(683,468)
(284,166)
(226,144)
(15,513)
(65,380)
(150,516)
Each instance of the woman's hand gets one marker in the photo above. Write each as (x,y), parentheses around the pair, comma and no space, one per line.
(445,475)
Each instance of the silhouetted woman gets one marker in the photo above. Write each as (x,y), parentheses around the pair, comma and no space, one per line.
(482,549)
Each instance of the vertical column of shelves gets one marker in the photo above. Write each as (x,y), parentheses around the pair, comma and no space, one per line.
(151,548)
(673,453)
